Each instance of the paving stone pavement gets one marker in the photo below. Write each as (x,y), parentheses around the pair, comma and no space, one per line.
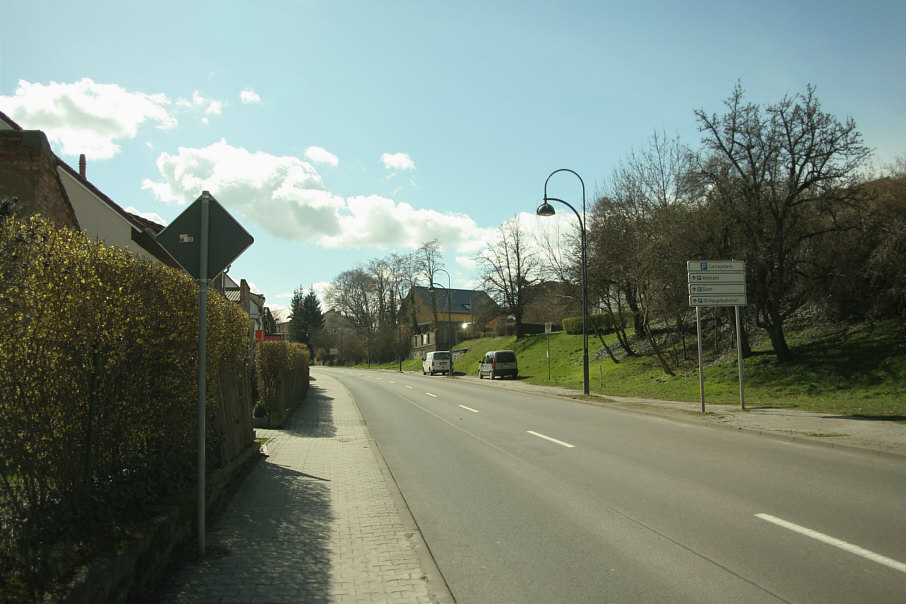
(313,522)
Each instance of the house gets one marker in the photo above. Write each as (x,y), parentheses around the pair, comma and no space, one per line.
(67,197)
(552,302)
(454,308)
(43,183)
(282,317)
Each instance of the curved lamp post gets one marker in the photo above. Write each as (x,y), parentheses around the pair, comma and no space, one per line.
(546,209)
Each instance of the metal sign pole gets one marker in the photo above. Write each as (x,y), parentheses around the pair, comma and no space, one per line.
(206,239)
(701,369)
(742,396)
(202,365)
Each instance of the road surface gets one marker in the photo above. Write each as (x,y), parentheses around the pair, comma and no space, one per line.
(528,498)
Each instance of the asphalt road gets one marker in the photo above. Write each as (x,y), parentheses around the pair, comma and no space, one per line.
(527,498)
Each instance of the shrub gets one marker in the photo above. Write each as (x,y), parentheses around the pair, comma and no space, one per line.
(283,372)
(98,393)
(603,321)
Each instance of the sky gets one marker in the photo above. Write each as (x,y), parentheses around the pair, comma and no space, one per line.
(338,132)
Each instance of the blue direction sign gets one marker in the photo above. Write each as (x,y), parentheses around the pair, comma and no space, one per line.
(225,238)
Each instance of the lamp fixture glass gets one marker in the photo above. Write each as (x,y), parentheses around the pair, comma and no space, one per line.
(545,209)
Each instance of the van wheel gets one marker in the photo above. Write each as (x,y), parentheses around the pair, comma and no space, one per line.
(480,376)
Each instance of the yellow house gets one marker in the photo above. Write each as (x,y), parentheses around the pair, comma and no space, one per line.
(436,315)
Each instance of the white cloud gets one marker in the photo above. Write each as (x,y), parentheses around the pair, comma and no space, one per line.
(209,106)
(249,97)
(321,156)
(286,197)
(397,161)
(86,117)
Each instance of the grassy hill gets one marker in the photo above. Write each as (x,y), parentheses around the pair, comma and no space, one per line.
(852,369)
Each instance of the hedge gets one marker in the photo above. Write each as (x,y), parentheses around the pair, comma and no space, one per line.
(603,321)
(98,392)
(282,369)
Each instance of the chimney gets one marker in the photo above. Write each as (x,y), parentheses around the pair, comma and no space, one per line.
(82,165)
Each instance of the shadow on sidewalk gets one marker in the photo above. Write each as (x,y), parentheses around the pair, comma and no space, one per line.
(271,543)
(313,418)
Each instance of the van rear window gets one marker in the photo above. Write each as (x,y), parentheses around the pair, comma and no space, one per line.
(506,357)
(442,356)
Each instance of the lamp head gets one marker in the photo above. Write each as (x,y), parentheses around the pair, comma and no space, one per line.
(545,209)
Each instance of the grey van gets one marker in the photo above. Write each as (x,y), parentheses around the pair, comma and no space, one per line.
(498,363)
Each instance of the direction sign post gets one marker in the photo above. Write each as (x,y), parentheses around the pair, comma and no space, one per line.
(717,283)
(204,240)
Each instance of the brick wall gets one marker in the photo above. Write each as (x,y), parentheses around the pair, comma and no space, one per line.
(28,172)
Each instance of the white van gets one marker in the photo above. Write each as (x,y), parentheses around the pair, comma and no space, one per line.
(438,361)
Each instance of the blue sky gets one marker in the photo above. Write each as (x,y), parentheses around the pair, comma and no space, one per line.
(340,131)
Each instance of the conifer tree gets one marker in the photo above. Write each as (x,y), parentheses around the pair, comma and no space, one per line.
(307,316)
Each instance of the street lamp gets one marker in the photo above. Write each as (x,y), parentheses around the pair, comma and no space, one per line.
(399,333)
(546,209)
(449,303)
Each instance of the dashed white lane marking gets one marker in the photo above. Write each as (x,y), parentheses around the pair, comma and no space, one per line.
(848,547)
(409,387)
(553,440)
(469,409)
(429,394)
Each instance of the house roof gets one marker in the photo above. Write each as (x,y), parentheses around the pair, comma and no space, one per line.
(143,230)
(282,315)
(461,300)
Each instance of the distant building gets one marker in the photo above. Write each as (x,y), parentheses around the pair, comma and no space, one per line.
(282,317)
(454,308)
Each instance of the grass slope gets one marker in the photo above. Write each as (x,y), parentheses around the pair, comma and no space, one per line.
(850,369)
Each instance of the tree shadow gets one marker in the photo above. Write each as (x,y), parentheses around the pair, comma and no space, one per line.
(870,418)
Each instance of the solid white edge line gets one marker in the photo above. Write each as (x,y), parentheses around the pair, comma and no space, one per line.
(429,394)
(553,440)
(848,547)
(469,409)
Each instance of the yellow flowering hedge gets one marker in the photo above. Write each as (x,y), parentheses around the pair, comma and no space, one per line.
(98,383)
(283,371)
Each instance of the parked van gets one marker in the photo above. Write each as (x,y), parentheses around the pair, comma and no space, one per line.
(438,361)
(498,363)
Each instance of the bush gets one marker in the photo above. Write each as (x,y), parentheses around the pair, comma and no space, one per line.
(603,321)
(98,392)
(282,369)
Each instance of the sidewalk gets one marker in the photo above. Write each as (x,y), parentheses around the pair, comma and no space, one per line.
(315,521)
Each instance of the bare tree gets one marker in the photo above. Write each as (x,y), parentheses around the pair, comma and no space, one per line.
(352,293)
(427,260)
(509,269)
(777,177)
